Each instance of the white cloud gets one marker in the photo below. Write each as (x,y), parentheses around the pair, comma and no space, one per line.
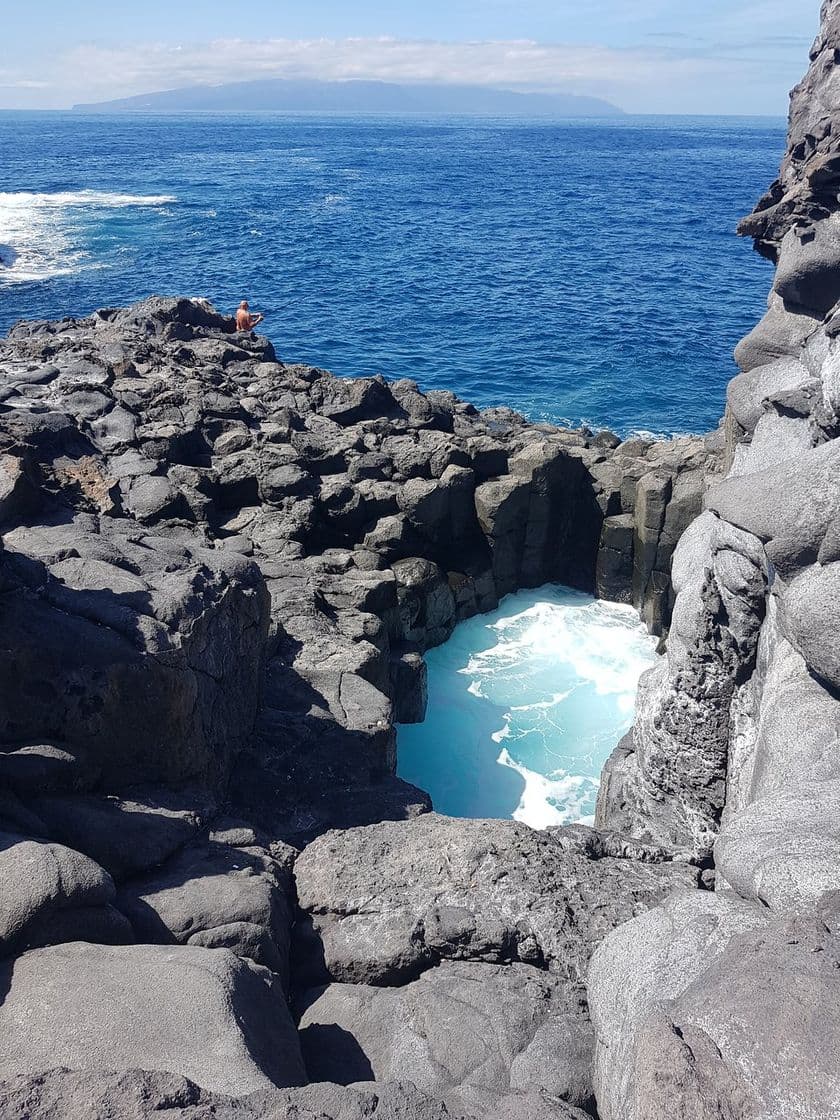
(154,66)
(631,76)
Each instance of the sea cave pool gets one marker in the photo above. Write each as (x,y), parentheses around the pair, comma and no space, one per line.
(525,706)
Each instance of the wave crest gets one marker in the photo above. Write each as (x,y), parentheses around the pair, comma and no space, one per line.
(48,234)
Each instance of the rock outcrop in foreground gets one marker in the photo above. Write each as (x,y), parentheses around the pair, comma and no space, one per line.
(218,578)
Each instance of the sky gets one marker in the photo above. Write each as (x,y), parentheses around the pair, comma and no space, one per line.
(647,56)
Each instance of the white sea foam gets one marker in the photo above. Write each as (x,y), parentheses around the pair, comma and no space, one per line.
(543,705)
(555,799)
(42,234)
(595,652)
(604,643)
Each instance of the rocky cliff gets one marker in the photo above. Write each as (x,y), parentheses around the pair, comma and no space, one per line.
(725,1004)
(219,575)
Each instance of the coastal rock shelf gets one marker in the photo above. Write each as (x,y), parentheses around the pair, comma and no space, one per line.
(239,564)
(218,578)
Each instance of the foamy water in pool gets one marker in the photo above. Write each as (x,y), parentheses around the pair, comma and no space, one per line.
(525,706)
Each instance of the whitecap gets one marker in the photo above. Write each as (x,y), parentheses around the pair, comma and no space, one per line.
(60,200)
(43,234)
(603,643)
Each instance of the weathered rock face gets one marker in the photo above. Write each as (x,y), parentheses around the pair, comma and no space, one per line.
(221,570)
(667,781)
(198,1012)
(805,194)
(468,890)
(714,1009)
(463,1032)
(417,936)
(722,1006)
(643,964)
(140,1095)
(168,644)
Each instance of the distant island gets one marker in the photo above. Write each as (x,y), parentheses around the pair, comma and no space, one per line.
(357,97)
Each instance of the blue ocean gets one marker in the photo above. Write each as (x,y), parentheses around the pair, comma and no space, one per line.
(577,271)
(580,272)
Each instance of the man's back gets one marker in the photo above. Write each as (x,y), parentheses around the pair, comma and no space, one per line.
(245,321)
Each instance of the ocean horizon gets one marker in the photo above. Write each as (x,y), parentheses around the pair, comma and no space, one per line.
(579,271)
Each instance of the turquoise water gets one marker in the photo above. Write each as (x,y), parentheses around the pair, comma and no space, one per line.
(525,705)
(577,271)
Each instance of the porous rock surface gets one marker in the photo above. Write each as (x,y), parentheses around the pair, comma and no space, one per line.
(62,1094)
(723,1005)
(386,902)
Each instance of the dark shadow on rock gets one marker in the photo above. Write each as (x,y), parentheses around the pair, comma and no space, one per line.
(331,1053)
(307,965)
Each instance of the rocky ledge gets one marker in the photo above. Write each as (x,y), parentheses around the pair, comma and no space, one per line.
(218,578)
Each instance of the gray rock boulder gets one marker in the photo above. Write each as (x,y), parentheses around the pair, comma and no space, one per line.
(490,891)
(649,960)
(216,896)
(180,668)
(810,620)
(747,393)
(496,1029)
(784,850)
(756,1035)
(126,835)
(780,334)
(788,726)
(788,507)
(808,268)
(493,1028)
(51,893)
(200,1013)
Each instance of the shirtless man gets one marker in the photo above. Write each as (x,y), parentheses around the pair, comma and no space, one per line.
(245,321)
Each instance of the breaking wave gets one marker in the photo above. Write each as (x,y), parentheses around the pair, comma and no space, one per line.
(49,234)
(525,706)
